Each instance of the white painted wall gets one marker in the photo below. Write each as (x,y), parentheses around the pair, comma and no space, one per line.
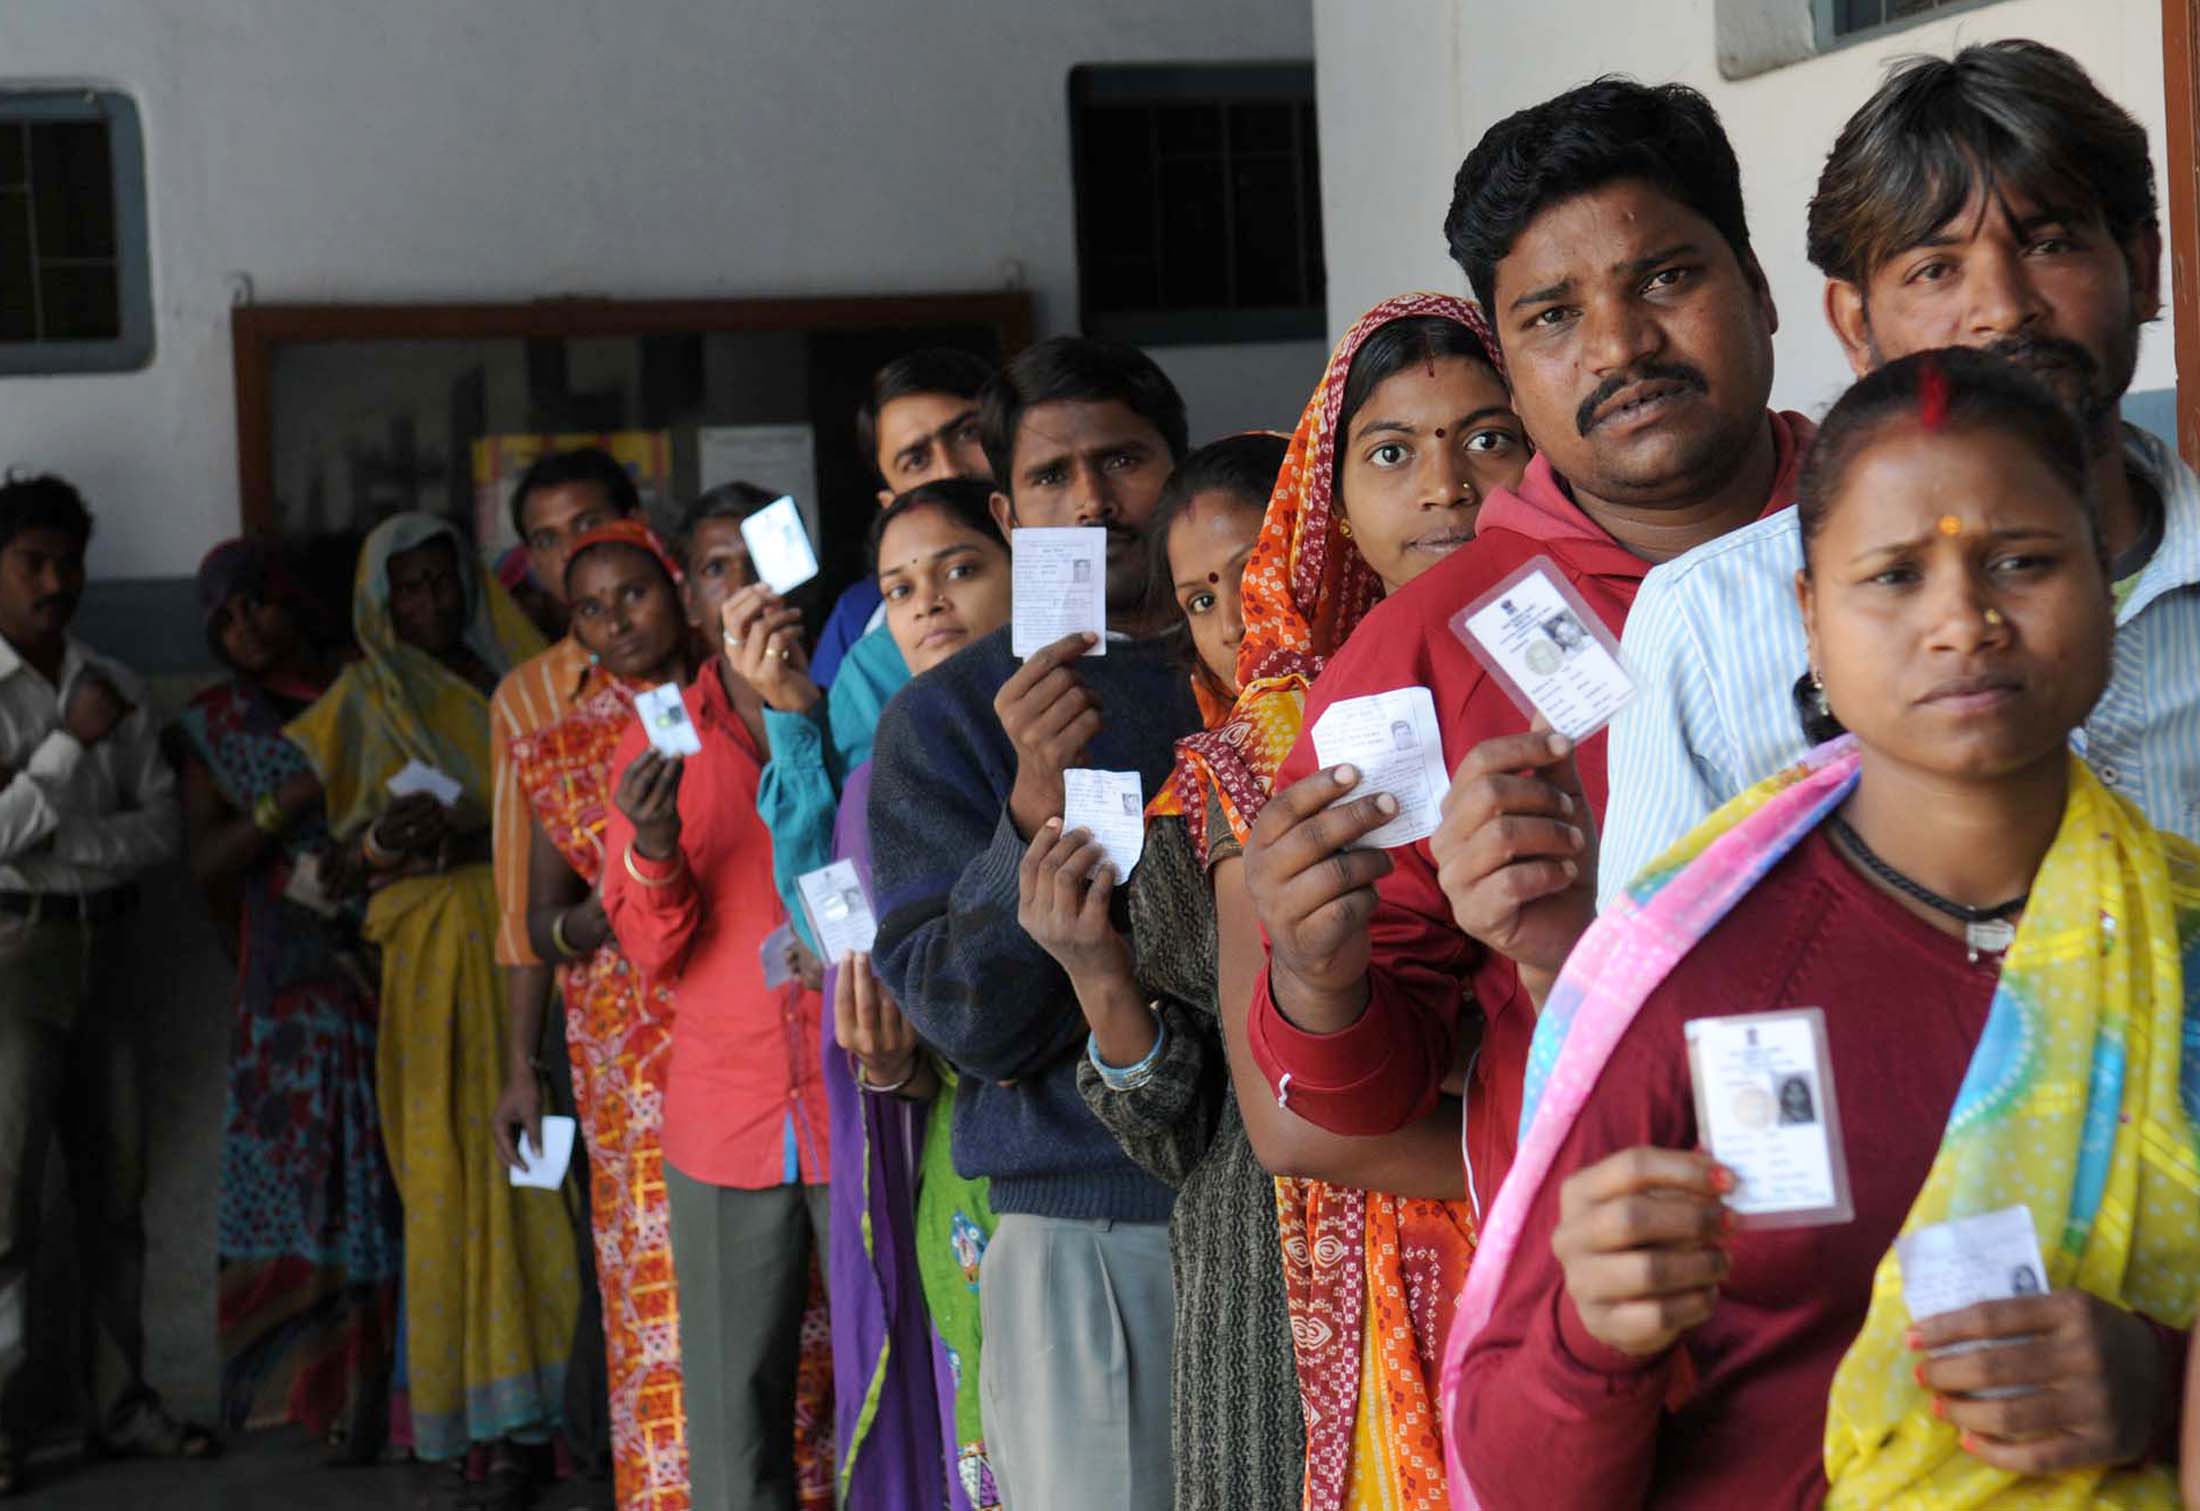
(1405,89)
(515,149)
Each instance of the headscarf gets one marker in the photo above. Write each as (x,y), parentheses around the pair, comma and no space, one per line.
(625,531)
(250,564)
(398,703)
(1306,588)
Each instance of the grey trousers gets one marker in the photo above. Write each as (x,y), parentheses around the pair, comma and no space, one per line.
(1074,1379)
(742,1260)
(68,1072)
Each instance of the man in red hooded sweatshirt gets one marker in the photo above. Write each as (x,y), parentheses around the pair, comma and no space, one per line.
(1604,233)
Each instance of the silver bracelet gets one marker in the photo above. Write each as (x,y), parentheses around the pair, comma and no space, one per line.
(1131,1077)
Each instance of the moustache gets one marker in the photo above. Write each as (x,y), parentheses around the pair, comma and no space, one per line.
(1670,372)
(2036,352)
(65,602)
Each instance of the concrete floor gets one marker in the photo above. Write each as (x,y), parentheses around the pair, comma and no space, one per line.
(267,1471)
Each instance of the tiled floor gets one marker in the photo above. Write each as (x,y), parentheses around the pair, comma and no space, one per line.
(268,1471)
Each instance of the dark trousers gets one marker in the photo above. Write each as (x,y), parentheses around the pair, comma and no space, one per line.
(68,1075)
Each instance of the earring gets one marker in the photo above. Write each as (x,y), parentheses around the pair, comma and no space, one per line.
(594,659)
(1344,527)
(1817,683)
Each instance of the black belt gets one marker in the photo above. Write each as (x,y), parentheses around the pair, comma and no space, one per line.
(69,907)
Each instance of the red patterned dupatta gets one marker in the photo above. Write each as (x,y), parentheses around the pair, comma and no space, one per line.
(1372,1278)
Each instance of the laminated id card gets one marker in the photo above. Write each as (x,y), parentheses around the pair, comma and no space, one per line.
(1548,650)
(840,915)
(1765,1109)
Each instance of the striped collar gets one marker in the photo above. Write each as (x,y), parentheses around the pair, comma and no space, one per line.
(2176,562)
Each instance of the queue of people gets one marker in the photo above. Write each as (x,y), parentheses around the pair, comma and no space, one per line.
(1289,1167)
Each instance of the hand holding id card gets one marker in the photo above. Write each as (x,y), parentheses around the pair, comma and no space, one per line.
(1765,1109)
(1548,649)
(665,720)
(840,915)
(1111,807)
(1059,587)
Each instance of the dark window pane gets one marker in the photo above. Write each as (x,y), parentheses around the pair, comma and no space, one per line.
(1123,283)
(1116,191)
(1310,198)
(18,299)
(1194,251)
(1267,239)
(73,189)
(1189,130)
(11,154)
(1260,128)
(81,304)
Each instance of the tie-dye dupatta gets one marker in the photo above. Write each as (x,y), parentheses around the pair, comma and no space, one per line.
(1370,1276)
(2079,1102)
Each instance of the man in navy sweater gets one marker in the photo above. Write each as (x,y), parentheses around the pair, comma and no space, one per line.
(1075,1287)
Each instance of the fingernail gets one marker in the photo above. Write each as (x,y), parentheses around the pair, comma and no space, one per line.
(1970,1442)
(1913,1340)
(1575,837)
(1565,804)
(1918,1370)
(1385,804)
(1347,775)
(1570,869)
(1722,1179)
(1940,1404)
(1559,745)
(1054,823)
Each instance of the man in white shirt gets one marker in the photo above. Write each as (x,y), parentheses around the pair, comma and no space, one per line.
(87,803)
(1997,200)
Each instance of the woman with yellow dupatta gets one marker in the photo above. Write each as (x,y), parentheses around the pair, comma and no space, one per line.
(489,1285)
(1999,946)
(1409,431)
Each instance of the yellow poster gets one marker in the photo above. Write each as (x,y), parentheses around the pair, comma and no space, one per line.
(500,459)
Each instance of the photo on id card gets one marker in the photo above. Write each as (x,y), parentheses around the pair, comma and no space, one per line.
(1547,649)
(1765,1109)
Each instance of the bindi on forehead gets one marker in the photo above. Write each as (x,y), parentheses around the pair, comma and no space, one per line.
(1950,525)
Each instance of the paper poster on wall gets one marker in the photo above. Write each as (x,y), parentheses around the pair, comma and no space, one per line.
(777,458)
(500,459)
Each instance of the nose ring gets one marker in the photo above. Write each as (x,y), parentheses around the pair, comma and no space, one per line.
(1994,617)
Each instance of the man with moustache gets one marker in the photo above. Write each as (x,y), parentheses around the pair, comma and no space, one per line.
(1998,200)
(87,805)
(1604,232)
(1075,1287)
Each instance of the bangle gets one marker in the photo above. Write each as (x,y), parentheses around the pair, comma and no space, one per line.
(1131,1077)
(916,1064)
(375,854)
(679,859)
(557,935)
(268,816)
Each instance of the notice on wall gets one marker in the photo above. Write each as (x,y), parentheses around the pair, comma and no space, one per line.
(776,458)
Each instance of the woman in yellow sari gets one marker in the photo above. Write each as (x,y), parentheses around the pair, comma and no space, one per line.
(490,1288)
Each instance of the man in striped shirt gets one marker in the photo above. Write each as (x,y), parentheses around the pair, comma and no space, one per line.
(1995,200)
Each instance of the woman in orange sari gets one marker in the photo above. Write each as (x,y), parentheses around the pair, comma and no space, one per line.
(1410,429)
(623,594)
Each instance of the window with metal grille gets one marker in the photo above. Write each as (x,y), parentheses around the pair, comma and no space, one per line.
(1844,21)
(1198,202)
(74,283)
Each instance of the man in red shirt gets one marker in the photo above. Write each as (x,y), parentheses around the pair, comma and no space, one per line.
(1604,232)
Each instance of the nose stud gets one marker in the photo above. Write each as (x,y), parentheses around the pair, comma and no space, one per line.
(1994,617)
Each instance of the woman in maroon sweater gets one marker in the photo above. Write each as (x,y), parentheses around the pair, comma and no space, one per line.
(1639,1350)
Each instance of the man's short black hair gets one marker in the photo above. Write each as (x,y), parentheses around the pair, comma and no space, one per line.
(583,464)
(935,369)
(2004,116)
(43,501)
(1612,128)
(735,500)
(1077,369)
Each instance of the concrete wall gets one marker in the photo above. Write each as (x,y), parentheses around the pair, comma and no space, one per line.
(514,149)
(1407,88)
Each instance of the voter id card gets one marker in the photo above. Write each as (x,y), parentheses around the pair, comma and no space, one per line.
(1548,650)
(840,914)
(1393,740)
(1765,1108)
(665,720)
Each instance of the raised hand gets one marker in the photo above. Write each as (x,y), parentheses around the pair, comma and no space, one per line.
(763,645)
(649,795)
(1641,1236)
(1050,717)
(1062,891)
(96,706)
(867,1023)
(1314,894)
(1515,851)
